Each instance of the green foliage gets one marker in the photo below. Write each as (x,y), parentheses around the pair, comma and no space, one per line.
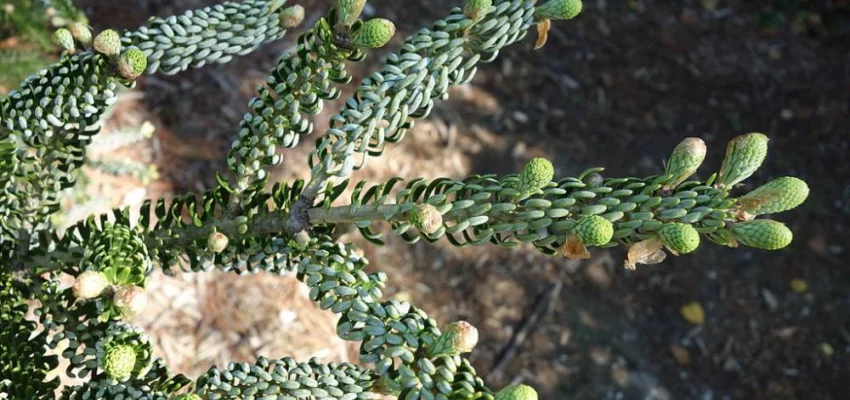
(243,225)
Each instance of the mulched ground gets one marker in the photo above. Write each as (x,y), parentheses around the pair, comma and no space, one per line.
(618,87)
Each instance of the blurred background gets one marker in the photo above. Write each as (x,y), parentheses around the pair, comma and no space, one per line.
(617,87)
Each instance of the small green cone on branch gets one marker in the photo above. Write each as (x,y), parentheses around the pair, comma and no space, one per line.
(744,156)
(119,362)
(536,174)
(82,33)
(217,242)
(685,160)
(679,238)
(558,9)
(374,33)
(107,43)
(778,195)
(762,234)
(348,11)
(477,9)
(594,230)
(458,338)
(292,16)
(426,218)
(89,284)
(63,38)
(132,63)
(517,392)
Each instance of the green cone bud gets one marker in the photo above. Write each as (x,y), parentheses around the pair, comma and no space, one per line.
(536,174)
(132,63)
(82,33)
(778,195)
(107,43)
(744,156)
(679,238)
(558,9)
(217,242)
(119,362)
(594,230)
(130,300)
(426,218)
(374,34)
(517,392)
(458,338)
(188,396)
(349,11)
(89,284)
(762,234)
(63,38)
(477,9)
(292,16)
(685,160)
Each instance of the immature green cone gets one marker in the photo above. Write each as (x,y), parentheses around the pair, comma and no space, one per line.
(517,392)
(536,174)
(107,43)
(63,38)
(217,242)
(744,156)
(679,238)
(132,63)
(349,11)
(426,218)
(458,338)
(119,362)
(558,9)
(89,284)
(594,230)
(477,9)
(292,16)
(778,195)
(374,33)
(82,33)
(762,234)
(130,300)
(685,160)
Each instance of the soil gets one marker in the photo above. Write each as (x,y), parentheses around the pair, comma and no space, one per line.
(618,87)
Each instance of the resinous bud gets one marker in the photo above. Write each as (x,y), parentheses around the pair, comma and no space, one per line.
(778,195)
(462,336)
(292,16)
(744,156)
(63,38)
(558,9)
(130,300)
(217,242)
(426,218)
(349,11)
(517,392)
(762,234)
(89,284)
(685,160)
(107,43)
(374,33)
(477,9)
(82,33)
